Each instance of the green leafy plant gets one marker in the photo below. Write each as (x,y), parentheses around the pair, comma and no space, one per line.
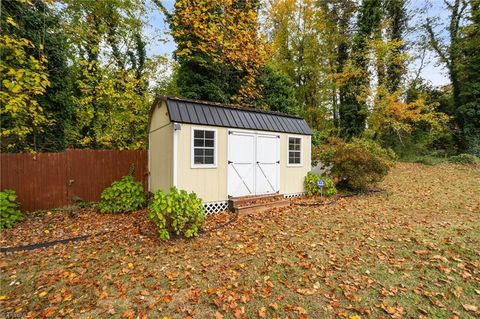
(125,195)
(9,213)
(355,165)
(312,188)
(464,159)
(176,212)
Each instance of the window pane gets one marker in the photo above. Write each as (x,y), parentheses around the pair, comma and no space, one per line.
(199,152)
(198,134)
(208,152)
(209,143)
(294,143)
(294,157)
(208,160)
(198,142)
(198,160)
(209,134)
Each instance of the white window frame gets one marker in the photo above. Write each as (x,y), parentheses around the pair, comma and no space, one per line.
(288,151)
(192,147)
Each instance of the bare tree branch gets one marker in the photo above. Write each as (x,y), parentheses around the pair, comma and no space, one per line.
(162,8)
(421,66)
(435,44)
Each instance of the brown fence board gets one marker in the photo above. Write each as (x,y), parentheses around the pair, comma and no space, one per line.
(49,180)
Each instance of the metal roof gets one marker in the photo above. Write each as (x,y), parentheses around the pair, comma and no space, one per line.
(216,114)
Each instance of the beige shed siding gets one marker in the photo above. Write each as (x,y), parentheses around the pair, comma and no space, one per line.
(291,177)
(160,150)
(211,183)
(159,116)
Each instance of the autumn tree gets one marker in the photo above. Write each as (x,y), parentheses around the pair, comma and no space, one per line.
(340,30)
(459,56)
(396,26)
(353,110)
(40,24)
(111,84)
(310,43)
(395,117)
(468,112)
(23,80)
(219,49)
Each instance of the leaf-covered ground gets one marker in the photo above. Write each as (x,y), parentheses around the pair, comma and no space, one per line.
(410,251)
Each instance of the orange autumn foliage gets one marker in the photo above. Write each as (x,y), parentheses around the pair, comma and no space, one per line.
(227,32)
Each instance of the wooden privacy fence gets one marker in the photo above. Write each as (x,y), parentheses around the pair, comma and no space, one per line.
(49,180)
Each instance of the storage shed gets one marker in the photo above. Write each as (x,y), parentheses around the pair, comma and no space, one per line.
(220,151)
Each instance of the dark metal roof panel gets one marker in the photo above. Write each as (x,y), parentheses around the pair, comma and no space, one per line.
(261,121)
(278,125)
(250,122)
(222,116)
(201,115)
(184,113)
(214,114)
(270,122)
(229,117)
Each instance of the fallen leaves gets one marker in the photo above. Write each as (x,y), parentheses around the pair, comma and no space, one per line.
(262,313)
(306,291)
(367,256)
(472,308)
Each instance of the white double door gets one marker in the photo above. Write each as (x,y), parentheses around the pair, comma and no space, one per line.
(253,163)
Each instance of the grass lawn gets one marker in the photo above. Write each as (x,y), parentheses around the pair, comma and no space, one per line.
(410,251)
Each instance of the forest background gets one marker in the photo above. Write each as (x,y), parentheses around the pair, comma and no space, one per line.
(83,74)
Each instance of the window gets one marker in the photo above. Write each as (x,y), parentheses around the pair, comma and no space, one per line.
(204,147)
(294,150)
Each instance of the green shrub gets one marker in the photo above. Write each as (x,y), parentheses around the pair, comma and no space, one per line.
(125,195)
(464,159)
(312,188)
(9,213)
(176,212)
(356,165)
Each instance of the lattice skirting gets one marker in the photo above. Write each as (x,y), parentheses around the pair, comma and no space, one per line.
(215,207)
(293,195)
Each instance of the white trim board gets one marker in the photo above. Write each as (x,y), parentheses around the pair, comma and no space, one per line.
(215,147)
(175,155)
(301,150)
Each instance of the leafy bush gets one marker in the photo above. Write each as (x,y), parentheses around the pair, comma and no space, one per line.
(176,212)
(312,188)
(125,195)
(464,159)
(9,213)
(356,165)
